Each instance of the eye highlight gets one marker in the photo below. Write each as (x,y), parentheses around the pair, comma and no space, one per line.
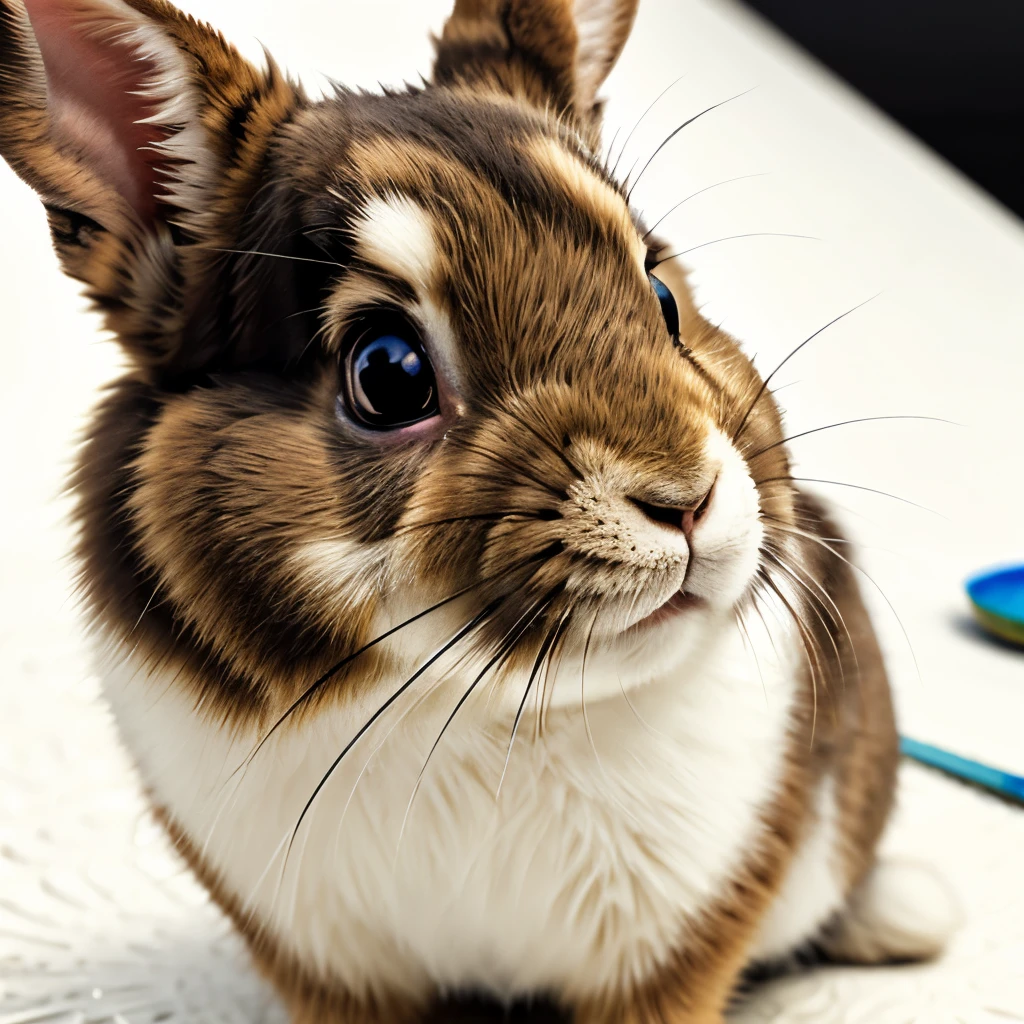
(388,380)
(669,310)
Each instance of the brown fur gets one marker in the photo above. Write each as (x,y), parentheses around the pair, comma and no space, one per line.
(218,458)
(529,50)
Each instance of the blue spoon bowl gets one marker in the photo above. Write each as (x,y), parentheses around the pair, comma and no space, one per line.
(997,598)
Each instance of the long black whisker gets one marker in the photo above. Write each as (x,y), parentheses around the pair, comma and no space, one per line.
(693,195)
(555,651)
(507,645)
(881,593)
(674,133)
(325,677)
(306,312)
(367,725)
(843,483)
(797,532)
(610,150)
(847,423)
(809,646)
(729,238)
(534,672)
(640,121)
(768,379)
(816,604)
(322,680)
(366,764)
(542,679)
(275,255)
(836,615)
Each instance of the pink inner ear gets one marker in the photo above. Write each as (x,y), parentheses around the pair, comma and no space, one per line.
(93,76)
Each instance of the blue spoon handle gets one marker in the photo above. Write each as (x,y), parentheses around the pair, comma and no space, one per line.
(963,768)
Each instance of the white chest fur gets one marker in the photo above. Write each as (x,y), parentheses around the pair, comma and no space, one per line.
(581,874)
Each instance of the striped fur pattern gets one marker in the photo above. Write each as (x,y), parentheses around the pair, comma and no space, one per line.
(600,517)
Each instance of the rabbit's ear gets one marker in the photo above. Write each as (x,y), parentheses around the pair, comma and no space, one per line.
(141,130)
(549,52)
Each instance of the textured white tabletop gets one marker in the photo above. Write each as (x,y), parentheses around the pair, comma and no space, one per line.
(99,923)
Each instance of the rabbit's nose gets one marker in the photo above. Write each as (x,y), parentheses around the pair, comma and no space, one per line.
(674,517)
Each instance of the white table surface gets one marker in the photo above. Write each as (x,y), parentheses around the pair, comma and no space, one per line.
(90,902)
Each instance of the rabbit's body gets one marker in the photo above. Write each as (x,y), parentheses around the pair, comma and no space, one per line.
(454,595)
(578,880)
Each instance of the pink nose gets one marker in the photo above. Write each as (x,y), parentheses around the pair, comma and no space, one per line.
(684,519)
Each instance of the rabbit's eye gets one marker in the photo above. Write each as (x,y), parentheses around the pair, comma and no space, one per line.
(389,381)
(669,310)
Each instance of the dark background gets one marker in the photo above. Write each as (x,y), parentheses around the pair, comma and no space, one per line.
(951,71)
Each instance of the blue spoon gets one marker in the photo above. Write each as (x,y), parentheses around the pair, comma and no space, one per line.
(997,598)
(963,768)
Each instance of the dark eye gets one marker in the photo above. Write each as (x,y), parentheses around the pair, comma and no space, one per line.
(389,381)
(669,309)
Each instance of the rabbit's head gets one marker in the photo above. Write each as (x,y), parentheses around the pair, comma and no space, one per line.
(390,353)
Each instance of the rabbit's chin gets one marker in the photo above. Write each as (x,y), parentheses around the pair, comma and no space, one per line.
(673,642)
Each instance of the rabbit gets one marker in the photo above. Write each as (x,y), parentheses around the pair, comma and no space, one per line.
(447,579)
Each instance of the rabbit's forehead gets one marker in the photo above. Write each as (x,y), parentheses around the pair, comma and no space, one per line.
(482,173)
(541,191)
(481,234)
